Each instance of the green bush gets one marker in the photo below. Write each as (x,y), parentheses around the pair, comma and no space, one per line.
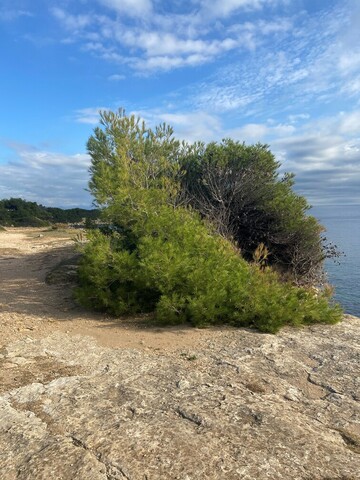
(239,189)
(157,256)
(183,272)
(111,278)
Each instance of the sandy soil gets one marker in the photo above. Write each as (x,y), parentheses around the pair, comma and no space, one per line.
(31,308)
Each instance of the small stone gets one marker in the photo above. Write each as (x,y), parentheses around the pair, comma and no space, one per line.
(20,360)
(293,395)
(8,365)
(182,384)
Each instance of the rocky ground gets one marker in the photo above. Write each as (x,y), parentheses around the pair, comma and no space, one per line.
(84,396)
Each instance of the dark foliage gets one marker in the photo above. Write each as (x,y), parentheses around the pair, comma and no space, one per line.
(239,189)
(20,213)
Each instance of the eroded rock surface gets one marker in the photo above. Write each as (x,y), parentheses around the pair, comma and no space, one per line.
(243,405)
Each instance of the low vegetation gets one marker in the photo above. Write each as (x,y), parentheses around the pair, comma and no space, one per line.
(21,213)
(167,249)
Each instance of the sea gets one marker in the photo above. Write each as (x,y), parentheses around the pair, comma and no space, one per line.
(342,223)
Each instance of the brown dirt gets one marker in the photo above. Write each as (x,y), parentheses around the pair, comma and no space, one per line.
(31,308)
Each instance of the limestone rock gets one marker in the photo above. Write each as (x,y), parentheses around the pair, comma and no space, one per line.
(251,407)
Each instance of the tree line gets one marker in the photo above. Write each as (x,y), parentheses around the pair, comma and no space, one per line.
(21,213)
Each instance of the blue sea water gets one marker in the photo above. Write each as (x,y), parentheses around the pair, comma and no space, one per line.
(342,223)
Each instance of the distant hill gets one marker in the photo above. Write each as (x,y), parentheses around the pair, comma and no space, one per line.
(20,213)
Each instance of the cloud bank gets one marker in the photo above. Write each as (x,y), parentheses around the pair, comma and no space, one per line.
(52,179)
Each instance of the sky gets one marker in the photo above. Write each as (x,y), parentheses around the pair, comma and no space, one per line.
(281,72)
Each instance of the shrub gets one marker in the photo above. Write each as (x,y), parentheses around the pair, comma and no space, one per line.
(111,278)
(157,256)
(239,189)
(183,272)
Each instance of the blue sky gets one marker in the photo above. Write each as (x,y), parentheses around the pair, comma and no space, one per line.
(282,72)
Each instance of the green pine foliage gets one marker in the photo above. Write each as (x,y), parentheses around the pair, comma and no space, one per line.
(160,256)
(111,278)
(184,272)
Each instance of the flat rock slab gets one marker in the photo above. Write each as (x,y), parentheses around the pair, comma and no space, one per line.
(244,406)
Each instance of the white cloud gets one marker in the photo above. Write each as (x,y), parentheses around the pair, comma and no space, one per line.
(89,115)
(349,61)
(188,126)
(349,123)
(249,133)
(132,8)
(116,77)
(49,178)
(259,132)
(165,43)
(325,155)
(202,126)
(8,15)
(304,66)
(222,98)
(158,41)
(224,8)
(72,22)
(352,86)
(294,118)
(164,63)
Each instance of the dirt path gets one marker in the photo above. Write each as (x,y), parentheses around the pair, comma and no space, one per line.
(31,308)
